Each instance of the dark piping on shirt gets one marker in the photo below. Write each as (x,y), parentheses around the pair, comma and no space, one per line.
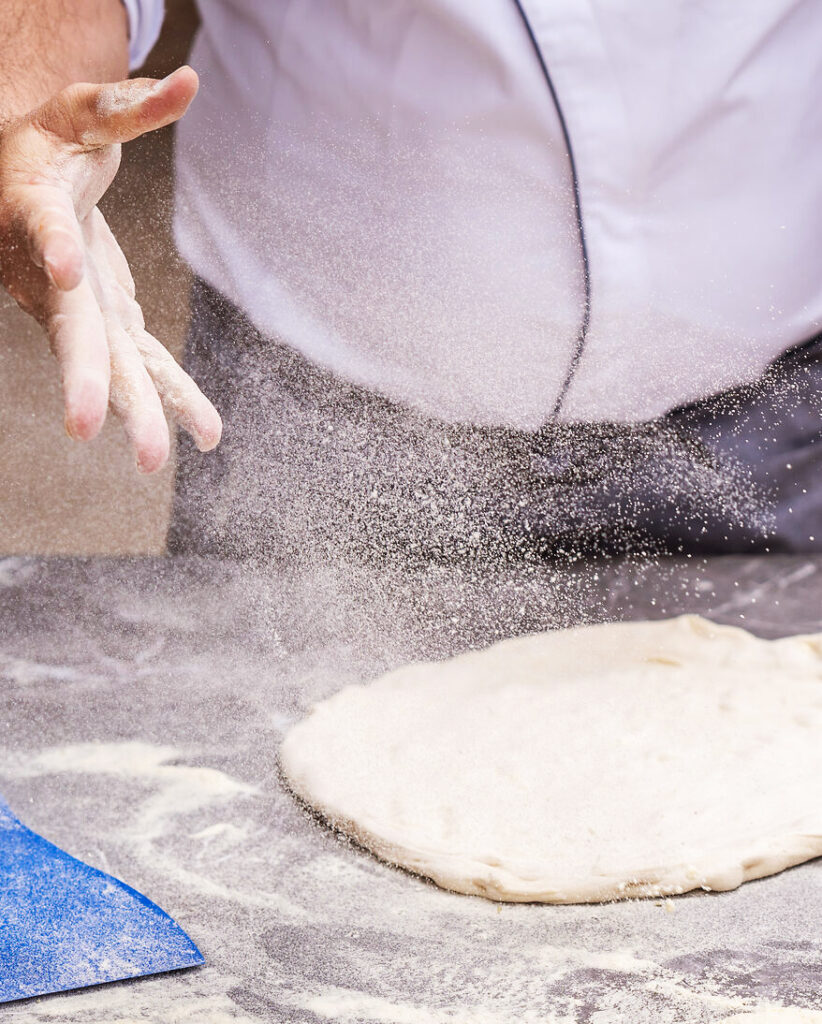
(586,272)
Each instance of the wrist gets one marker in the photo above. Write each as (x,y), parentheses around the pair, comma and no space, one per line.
(92,47)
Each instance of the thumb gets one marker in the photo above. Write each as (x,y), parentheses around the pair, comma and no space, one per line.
(100,115)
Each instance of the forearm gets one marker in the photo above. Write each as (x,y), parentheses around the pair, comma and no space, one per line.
(46,45)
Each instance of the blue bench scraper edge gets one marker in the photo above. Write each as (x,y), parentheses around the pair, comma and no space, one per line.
(65,925)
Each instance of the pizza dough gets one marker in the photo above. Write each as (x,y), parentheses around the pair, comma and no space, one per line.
(590,764)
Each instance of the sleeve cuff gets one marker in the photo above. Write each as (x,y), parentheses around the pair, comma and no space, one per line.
(145,18)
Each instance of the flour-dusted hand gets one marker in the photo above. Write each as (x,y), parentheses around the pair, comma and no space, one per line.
(62,264)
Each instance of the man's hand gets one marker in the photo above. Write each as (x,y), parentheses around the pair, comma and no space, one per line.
(60,261)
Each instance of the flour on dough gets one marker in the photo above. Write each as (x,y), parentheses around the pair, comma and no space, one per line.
(597,763)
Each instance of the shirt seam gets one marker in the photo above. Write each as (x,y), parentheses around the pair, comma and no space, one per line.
(586,268)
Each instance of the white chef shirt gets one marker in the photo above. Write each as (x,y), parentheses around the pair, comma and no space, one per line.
(500,211)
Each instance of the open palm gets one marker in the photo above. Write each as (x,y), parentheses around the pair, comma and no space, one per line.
(62,264)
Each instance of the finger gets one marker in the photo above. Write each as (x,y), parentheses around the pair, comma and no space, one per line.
(78,339)
(99,115)
(181,397)
(135,401)
(106,252)
(178,393)
(55,241)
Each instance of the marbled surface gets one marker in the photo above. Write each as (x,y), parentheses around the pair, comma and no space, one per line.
(142,705)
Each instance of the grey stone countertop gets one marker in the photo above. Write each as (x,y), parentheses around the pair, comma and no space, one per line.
(143,702)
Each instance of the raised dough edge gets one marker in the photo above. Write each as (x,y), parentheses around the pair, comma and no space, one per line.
(723,870)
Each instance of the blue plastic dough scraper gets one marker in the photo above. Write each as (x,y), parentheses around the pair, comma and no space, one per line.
(66,925)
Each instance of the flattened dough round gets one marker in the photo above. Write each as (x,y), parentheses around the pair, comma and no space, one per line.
(590,764)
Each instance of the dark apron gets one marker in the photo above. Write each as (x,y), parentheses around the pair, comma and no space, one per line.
(309,462)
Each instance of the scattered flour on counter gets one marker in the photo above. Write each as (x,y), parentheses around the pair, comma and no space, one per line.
(349,1007)
(140,1003)
(222,833)
(176,789)
(182,788)
(360,942)
(776,1015)
(15,570)
(22,672)
(620,960)
(673,989)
